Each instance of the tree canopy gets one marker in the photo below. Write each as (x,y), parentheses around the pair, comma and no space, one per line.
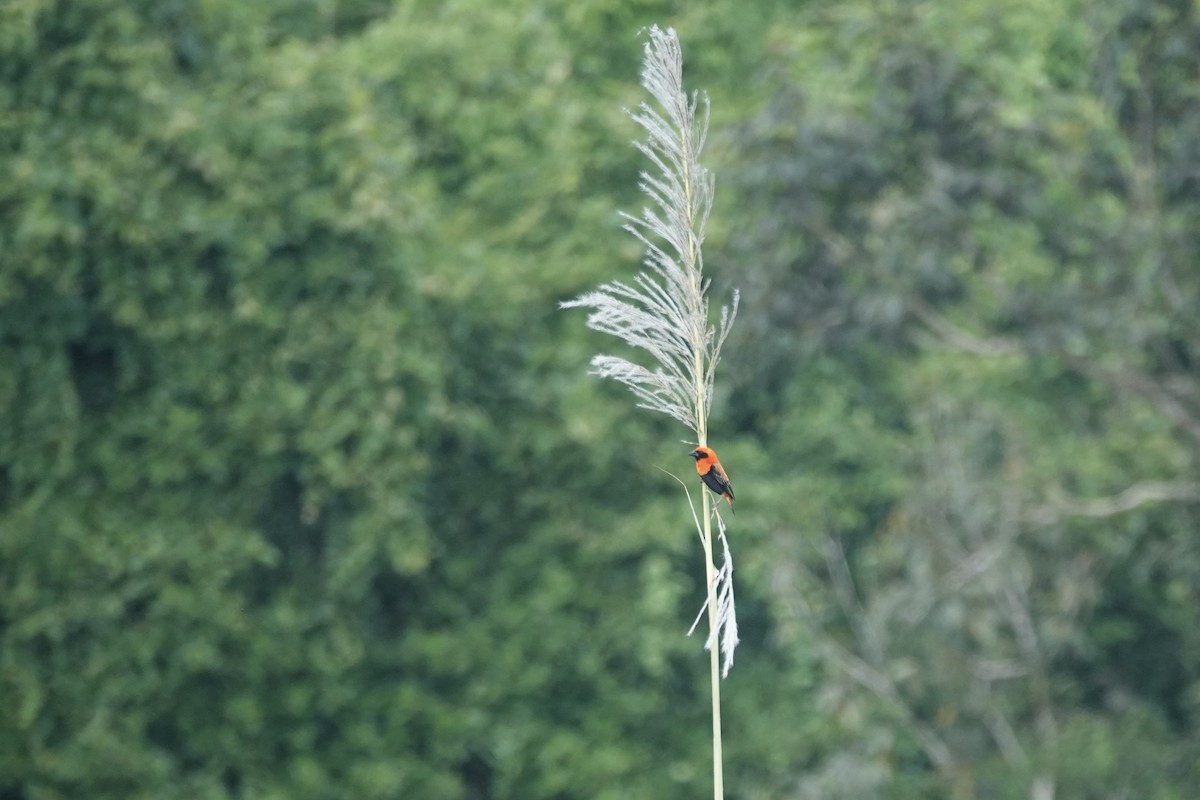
(305,491)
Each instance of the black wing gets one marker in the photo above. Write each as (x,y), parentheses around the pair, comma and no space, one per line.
(713,480)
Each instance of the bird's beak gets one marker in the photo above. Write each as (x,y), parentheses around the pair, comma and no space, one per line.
(695,454)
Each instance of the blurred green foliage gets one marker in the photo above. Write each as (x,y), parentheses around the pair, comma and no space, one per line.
(305,492)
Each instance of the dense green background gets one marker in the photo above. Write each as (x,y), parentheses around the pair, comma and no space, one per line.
(305,491)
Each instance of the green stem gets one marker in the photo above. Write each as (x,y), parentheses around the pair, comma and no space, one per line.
(714,656)
(714,662)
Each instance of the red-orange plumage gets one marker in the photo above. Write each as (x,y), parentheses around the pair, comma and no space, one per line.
(709,468)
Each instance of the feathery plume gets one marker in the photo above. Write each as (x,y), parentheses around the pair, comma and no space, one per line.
(665,310)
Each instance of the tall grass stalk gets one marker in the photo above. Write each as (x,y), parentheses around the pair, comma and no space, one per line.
(664,312)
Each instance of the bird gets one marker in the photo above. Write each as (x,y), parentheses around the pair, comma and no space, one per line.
(709,468)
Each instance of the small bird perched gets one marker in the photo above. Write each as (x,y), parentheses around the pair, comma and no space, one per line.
(709,468)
